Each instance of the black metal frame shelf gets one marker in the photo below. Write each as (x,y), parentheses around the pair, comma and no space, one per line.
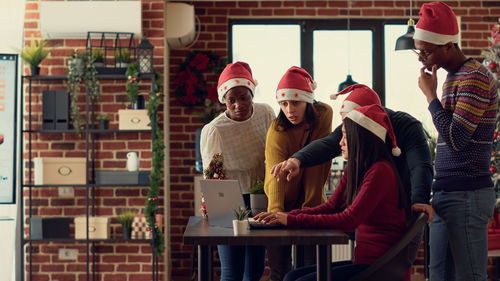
(98,76)
(90,135)
(83,185)
(94,131)
(57,240)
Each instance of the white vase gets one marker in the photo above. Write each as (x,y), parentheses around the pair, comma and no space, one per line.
(132,162)
(240,227)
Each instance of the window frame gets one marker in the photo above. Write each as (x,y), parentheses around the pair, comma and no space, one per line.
(308,26)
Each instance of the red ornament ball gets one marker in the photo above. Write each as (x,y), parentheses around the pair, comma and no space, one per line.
(1,138)
(493,169)
(493,65)
(495,135)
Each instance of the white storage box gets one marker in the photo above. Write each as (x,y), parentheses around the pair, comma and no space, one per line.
(98,227)
(60,171)
(136,119)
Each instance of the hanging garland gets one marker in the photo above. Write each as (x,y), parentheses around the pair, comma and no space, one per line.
(132,87)
(152,200)
(158,158)
(192,88)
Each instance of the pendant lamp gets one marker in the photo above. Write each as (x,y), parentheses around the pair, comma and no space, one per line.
(348,81)
(405,42)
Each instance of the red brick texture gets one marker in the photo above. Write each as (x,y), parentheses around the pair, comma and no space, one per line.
(114,260)
(131,261)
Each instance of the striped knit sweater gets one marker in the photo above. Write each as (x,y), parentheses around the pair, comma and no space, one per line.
(465,121)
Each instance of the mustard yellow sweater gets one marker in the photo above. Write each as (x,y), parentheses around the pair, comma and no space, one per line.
(307,189)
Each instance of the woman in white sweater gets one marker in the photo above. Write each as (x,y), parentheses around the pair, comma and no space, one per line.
(239,135)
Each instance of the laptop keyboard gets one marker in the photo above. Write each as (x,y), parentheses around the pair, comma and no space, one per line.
(261,225)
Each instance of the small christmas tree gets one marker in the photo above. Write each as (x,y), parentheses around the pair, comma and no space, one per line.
(215,170)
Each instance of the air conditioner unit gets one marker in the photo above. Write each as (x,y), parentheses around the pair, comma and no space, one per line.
(180,24)
(73,19)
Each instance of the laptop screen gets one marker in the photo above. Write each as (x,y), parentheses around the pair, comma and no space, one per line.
(221,198)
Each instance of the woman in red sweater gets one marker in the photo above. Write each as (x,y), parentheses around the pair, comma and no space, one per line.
(369,198)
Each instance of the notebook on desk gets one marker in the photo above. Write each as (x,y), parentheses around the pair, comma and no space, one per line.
(221,198)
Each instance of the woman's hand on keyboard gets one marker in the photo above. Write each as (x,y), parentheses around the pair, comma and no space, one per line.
(272,217)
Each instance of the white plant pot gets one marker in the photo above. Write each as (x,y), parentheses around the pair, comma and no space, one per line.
(240,227)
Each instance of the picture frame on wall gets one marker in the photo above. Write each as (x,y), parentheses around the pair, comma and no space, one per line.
(8,135)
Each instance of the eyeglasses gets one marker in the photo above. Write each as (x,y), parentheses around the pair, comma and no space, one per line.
(426,53)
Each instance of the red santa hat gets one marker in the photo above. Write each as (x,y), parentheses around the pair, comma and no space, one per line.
(374,119)
(361,95)
(296,84)
(235,75)
(437,24)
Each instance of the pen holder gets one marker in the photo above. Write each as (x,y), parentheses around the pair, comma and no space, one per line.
(240,227)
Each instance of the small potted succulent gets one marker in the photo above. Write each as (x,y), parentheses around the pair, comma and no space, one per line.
(103,120)
(122,57)
(98,55)
(240,224)
(126,218)
(34,54)
(258,199)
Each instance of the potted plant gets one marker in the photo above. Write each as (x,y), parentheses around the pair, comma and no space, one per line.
(34,54)
(98,55)
(125,218)
(77,62)
(122,57)
(81,70)
(240,224)
(103,120)
(258,199)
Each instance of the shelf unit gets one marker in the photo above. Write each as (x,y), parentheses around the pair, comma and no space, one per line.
(90,186)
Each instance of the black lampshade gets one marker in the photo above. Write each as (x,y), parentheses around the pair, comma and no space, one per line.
(348,82)
(405,42)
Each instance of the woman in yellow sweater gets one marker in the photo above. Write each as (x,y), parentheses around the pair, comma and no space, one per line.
(301,120)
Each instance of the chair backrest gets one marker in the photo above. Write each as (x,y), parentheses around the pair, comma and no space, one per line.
(392,266)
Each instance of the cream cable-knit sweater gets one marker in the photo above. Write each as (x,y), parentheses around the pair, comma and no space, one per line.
(241,143)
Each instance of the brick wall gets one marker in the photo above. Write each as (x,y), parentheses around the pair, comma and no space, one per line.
(121,260)
(114,260)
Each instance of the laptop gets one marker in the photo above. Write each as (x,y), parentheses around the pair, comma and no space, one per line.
(221,198)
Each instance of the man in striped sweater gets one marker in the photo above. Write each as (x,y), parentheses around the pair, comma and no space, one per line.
(463,195)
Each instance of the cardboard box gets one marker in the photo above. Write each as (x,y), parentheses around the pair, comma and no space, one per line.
(136,119)
(98,227)
(44,228)
(60,171)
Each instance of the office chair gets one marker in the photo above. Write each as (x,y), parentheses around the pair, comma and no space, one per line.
(393,265)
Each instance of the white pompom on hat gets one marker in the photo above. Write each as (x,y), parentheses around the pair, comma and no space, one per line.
(375,119)
(296,84)
(437,24)
(360,95)
(235,75)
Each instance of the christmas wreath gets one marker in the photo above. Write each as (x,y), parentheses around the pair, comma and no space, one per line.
(492,61)
(192,87)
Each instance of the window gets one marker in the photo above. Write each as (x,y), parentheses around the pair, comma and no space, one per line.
(335,54)
(321,47)
(401,80)
(269,50)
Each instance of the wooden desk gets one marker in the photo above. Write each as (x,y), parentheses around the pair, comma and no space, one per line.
(199,232)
